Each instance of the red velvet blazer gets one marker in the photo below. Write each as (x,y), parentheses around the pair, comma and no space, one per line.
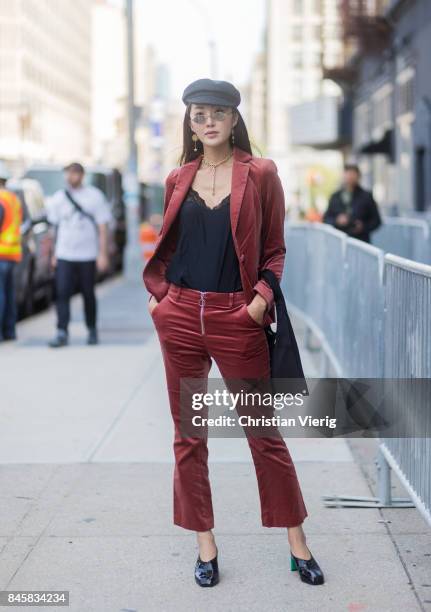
(257,213)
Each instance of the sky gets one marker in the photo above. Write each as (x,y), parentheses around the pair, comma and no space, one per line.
(181,29)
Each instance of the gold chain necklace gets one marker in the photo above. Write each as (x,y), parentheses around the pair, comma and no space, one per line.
(214,166)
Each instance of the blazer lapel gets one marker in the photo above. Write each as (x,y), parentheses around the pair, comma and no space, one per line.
(240,170)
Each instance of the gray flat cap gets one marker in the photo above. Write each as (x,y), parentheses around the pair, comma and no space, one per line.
(208,91)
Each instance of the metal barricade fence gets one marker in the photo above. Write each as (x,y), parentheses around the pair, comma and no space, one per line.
(362,311)
(404,236)
(296,264)
(407,287)
(312,284)
(333,281)
(362,305)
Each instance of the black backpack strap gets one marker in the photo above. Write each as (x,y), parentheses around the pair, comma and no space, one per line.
(272,280)
(80,209)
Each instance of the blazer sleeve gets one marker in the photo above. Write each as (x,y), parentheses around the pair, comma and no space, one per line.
(169,188)
(273,247)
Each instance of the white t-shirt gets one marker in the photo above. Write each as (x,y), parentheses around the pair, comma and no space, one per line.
(77,238)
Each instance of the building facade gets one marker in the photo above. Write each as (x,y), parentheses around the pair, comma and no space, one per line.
(254,96)
(299,35)
(45,80)
(384,75)
(109,85)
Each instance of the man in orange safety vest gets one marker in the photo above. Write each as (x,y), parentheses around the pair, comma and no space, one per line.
(10,254)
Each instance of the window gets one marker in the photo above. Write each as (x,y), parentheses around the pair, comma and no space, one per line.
(296,88)
(296,32)
(362,123)
(297,7)
(317,7)
(333,30)
(297,59)
(405,95)
(382,107)
(316,32)
(315,58)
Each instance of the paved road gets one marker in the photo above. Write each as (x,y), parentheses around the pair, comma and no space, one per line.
(86,485)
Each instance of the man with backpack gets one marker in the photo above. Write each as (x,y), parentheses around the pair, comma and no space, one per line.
(81,215)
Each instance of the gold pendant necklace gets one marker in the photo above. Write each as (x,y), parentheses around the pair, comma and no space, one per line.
(214,166)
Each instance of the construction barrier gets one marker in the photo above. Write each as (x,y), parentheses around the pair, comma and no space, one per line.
(147,239)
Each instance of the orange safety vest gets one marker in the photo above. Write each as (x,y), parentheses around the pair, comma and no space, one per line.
(10,234)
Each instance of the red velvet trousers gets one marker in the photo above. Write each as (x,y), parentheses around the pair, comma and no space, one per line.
(193,327)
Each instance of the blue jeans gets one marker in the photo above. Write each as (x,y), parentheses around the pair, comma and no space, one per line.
(7,299)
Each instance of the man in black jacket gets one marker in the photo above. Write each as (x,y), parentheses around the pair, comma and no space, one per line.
(352,209)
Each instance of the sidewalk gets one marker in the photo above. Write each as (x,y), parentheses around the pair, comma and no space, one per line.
(86,489)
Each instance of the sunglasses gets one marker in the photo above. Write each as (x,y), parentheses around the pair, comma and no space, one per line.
(218,115)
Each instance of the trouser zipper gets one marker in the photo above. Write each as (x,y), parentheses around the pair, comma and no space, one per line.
(201,304)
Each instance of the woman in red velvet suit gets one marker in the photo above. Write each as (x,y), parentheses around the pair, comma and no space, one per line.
(223,222)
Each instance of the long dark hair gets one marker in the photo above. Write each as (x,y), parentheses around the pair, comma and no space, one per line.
(242,139)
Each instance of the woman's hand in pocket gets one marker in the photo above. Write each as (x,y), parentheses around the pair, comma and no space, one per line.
(257,308)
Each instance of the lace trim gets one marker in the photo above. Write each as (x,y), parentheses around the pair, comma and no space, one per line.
(200,200)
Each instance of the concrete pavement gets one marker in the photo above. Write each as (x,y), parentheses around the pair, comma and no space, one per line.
(86,489)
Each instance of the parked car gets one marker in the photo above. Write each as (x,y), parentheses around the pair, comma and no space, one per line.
(34,273)
(109,181)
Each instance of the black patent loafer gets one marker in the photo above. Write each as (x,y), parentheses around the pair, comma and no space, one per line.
(206,572)
(309,570)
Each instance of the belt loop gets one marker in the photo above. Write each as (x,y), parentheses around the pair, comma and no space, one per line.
(231,296)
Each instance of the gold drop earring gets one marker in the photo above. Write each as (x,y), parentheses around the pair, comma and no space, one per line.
(195,139)
(233,137)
